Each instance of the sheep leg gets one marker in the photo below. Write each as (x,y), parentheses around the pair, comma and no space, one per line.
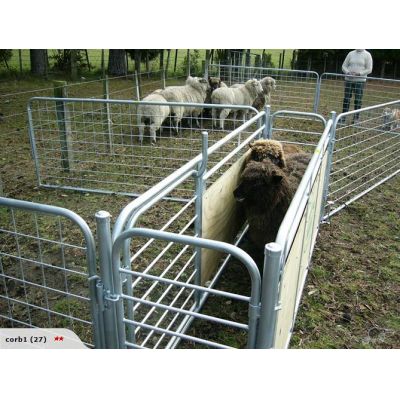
(153,129)
(178,118)
(222,116)
(214,117)
(196,115)
(244,116)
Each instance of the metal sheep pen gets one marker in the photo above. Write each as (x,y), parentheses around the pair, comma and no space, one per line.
(159,265)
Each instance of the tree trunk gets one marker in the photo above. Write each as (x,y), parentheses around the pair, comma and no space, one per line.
(161,59)
(383,66)
(74,67)
(117,62)
(38,62)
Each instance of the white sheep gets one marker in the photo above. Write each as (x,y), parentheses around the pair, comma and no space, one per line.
(268,84)
(194,91)
(152,115)
(243,95)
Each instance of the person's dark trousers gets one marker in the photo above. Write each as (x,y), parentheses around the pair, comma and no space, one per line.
(358,89)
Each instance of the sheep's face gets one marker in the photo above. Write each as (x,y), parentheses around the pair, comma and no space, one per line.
(198,83)
(267,150)
(203,83)
(259,183)
(214,83)
(255,86)
(268,83)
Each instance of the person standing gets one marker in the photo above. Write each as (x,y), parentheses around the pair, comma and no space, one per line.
(357,65)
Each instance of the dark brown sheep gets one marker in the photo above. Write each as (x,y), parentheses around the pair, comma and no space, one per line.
(214,83)
(266,189)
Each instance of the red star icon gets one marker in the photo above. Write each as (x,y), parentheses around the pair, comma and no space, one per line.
(61,338)
(55,338)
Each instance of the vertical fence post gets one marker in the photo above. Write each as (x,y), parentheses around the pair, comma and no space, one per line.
(163,78)
(137,86)
(106,286)
(103,69)
(317,94)
(107,114)
(33,144)
(266,132)
(198,225)
(188,63)
(64,128)
(269,296)
(206,64)
(230,69)
(331,146)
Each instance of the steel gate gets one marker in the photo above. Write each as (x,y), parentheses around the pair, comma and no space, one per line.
(366,153)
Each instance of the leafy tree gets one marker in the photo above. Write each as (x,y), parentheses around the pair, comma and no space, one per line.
(195,65)
(5,56)
(62,60)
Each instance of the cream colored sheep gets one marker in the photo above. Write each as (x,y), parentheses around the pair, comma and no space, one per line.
(243,95)
(152,115)
(194,91)
(268,84)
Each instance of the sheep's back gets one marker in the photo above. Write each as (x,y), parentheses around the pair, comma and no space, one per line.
(296,165)
(153,109)
(223,95)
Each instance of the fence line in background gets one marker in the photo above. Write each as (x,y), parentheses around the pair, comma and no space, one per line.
(295,89)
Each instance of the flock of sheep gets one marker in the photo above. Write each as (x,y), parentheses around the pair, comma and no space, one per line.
(255,93)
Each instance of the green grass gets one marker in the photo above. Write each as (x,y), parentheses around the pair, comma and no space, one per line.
(95,60)
(351,295)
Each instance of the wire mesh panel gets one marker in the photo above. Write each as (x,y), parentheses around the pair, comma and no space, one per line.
(116,146)
(295,90)
(162,306)
(297,128)
(163,288)
(366,153)
(372,92)
(46,260)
